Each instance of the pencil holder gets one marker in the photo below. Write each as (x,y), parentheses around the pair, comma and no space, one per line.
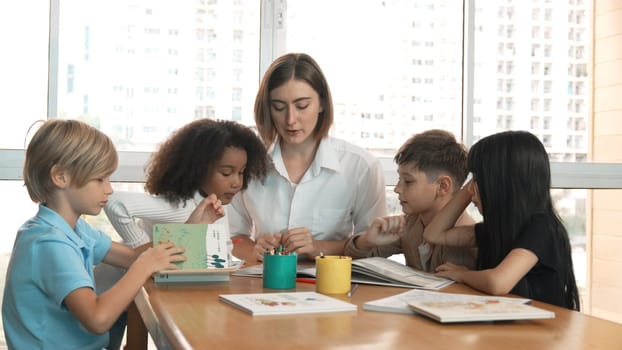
(279,271)
(333,274)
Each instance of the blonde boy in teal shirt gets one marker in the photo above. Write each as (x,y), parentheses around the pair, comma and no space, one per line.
(49,298)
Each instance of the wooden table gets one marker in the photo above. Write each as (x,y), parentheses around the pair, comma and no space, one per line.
(192,317)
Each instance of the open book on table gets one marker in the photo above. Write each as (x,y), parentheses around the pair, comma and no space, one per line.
(286,303)
(387,272)
(451,308)
(207,254)
(376,270)
(399,303)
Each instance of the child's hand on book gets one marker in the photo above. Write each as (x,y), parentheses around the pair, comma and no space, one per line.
(162,257)
(451,271)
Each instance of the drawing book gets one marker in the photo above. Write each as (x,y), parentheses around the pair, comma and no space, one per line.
(398,303)
(451,308)
(387,272)
(287,303)
(207,255)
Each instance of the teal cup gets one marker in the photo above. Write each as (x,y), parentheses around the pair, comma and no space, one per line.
(279,271)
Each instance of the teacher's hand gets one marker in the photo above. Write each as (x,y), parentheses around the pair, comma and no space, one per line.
(301,241)
(265,242)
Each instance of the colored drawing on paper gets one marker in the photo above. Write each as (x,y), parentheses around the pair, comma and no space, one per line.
(286,300)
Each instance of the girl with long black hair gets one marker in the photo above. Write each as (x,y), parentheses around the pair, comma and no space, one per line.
(523,247)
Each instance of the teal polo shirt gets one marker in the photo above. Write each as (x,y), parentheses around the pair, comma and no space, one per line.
(49,261)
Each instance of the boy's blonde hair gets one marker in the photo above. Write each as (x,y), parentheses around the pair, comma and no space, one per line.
(76,147)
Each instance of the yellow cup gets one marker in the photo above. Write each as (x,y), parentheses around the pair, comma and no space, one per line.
(333,274)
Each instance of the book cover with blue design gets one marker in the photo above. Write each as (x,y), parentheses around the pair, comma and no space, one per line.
(206,252)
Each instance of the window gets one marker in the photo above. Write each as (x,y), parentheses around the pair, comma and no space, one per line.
(238,36)
(400,74)
(548,14)
(198,56)
(236,95)
(236,113)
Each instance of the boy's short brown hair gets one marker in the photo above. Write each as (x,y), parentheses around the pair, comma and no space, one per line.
(78,148)
(435,152)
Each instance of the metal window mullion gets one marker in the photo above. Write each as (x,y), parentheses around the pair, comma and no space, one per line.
(468,68)
(272,32)
(52,107)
